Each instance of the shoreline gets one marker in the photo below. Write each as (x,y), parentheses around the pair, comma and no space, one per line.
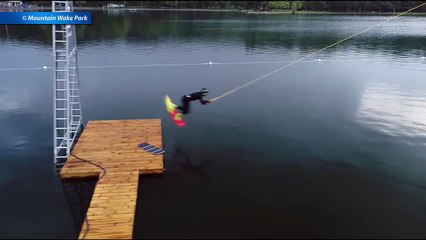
(136,8)
(335,13)
(278,12)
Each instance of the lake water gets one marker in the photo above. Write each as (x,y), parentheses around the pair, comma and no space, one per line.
(331,148)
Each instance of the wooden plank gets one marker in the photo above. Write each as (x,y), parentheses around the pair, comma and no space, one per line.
(113,144)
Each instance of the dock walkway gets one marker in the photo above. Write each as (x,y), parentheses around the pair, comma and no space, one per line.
(113,144)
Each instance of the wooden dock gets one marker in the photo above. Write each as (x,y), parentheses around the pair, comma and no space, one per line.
(113,144)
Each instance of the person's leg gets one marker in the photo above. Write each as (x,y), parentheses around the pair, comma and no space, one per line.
(182,100)
(185,106)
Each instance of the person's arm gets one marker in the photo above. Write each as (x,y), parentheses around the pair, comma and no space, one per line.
(202,101)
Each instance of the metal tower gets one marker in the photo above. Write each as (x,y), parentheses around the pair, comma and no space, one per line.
(67,108)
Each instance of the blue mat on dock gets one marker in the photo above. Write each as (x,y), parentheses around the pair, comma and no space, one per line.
(151,148)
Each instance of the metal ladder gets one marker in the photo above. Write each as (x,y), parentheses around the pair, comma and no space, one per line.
(67,107)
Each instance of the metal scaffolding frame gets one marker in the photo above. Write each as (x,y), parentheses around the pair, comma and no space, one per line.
(67,107)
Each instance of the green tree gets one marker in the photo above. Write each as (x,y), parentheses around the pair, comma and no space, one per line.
(280,5)
(295,5)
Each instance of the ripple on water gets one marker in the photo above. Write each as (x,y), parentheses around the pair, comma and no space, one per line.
(394,111)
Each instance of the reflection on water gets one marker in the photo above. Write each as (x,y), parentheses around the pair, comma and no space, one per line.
(393,110)
(264,33)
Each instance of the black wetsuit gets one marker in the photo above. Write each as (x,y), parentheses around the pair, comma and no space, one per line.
(191,97)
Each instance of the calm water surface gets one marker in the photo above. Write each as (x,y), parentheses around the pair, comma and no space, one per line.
(320,149)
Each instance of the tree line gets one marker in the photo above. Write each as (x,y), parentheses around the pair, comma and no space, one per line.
(329,6)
